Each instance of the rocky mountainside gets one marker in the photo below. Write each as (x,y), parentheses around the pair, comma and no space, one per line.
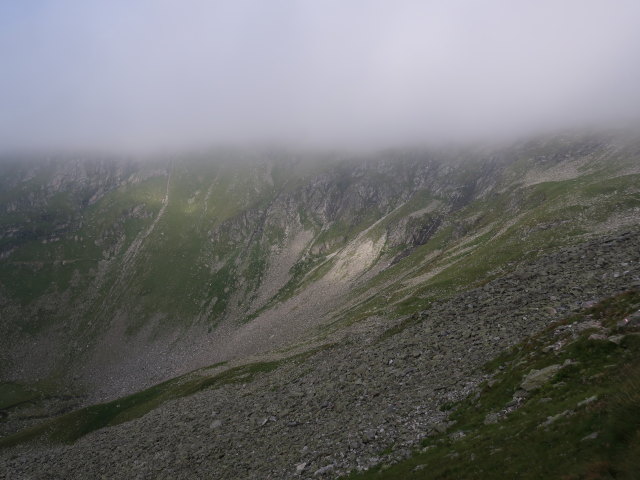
(310,314)
(378,395)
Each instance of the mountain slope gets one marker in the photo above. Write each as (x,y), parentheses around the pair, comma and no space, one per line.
(116,274)
(378,394)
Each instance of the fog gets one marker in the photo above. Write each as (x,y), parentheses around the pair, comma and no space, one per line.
(155,74)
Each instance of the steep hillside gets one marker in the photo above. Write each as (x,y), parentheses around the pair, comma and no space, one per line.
(116,274)
(434,393)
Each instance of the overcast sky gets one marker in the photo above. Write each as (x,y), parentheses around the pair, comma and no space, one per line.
(147,74)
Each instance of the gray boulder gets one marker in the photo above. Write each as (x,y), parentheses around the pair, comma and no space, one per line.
(535,379)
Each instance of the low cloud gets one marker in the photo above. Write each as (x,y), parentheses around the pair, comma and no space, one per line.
(152,74)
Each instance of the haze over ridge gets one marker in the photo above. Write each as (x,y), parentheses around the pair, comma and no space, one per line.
(151,74)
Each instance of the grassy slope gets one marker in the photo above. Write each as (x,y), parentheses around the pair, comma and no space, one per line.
(518,224)
(173,273)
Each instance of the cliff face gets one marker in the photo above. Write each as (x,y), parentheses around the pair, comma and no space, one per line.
(115,274)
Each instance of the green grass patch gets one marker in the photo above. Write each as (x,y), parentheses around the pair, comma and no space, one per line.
(13,394)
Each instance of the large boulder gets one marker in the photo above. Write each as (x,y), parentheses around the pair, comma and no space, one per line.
(535,379)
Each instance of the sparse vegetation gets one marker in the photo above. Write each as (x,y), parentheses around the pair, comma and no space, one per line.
(70,427)
(583,424)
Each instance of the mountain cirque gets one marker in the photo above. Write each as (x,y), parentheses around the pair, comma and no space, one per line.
(318,317)
(342,406)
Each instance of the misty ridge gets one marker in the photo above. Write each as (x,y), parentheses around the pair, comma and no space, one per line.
(153,77)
